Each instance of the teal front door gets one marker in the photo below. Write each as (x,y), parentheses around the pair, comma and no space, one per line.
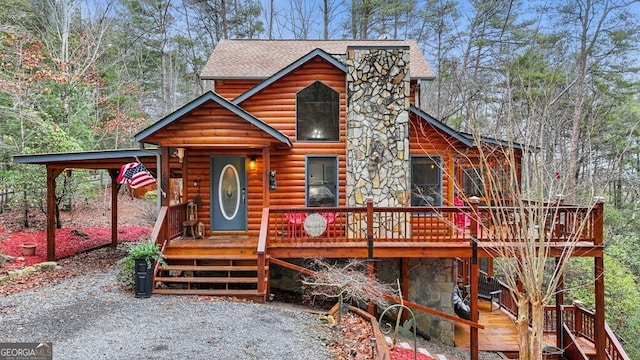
(228,193)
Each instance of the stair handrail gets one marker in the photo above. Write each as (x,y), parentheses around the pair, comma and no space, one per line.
(262,246)
(582,324)
(157,234)
(572,350)
(613,348)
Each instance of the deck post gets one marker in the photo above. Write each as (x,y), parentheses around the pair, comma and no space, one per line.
(165,174)
(114,207)
(473,277)
(52,174)
(600,335)
(371,269)
(404,284)
(559,303)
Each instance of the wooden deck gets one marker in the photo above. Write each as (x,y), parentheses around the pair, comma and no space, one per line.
(499,333)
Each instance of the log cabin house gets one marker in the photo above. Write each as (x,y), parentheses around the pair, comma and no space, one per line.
(320,149)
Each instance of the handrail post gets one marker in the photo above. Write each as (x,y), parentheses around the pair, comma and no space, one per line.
(370,266)
(262,246)
(598,222)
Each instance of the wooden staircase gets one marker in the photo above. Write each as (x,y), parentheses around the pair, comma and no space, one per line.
(203,269)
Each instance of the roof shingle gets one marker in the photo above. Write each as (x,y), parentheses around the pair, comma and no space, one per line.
(260,59)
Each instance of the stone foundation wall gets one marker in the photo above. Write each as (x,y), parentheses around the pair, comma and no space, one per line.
(431,283)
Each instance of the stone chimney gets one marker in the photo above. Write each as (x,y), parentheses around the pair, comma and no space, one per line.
(378,125)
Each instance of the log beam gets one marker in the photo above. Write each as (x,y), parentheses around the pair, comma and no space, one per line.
(114,207)
(52,174)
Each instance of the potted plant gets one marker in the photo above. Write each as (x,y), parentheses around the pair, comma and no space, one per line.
(138,267)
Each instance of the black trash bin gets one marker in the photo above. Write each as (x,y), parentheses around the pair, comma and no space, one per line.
(144,279)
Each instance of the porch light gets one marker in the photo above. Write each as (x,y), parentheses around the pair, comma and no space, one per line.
(252,163)
(180,153)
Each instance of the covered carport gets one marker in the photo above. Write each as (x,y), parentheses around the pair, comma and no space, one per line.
(110,160)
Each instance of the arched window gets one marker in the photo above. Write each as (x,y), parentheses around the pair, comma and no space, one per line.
(318,113)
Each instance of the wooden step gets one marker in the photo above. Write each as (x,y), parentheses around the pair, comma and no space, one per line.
(210,257)
(208,280)
(244,294)
(210,268)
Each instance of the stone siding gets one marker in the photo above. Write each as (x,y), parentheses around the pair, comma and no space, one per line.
(431,283)
(378,96)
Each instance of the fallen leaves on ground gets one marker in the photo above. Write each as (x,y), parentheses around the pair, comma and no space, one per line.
(353,342)
(68,242)
(399,353)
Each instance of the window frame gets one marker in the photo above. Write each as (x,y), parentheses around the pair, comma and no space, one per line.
(438,162)
(307,182)
(335,130)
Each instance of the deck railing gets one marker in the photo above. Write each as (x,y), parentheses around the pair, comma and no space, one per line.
(168,224)
(431,224)
(177,215)
(581,322)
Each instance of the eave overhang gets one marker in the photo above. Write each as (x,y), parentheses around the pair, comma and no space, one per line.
(202,99)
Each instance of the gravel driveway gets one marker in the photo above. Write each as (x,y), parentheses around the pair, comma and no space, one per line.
(90,317)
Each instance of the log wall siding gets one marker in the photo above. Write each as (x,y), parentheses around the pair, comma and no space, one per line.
(424,139)
(276,105)
(231,89)
(211,125)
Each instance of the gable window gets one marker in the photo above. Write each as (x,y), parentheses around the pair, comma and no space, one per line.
(322,181)
(318,113)
(426,181)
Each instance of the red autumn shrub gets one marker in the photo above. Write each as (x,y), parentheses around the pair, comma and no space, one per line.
(68,242)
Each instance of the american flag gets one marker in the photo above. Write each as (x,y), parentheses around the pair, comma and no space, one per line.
(135,174)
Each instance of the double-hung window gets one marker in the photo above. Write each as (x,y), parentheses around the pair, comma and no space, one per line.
(426,181)
(322,181)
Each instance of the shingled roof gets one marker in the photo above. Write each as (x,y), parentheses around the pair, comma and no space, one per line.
(260,59)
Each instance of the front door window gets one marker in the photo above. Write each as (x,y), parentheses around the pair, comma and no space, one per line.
(229,192)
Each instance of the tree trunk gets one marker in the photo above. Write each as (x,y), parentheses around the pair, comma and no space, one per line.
(536,331)
(522,325)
